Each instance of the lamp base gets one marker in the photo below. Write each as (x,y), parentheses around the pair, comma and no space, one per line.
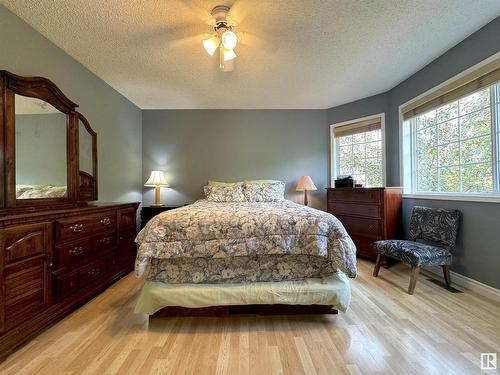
(157,197)
(305,198)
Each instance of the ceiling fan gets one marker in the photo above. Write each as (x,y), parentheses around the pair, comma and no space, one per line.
(224,39)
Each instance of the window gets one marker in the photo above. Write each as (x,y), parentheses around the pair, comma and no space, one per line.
(454,147)
(357,151)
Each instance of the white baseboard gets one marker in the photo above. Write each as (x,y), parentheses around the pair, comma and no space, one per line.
(465,282)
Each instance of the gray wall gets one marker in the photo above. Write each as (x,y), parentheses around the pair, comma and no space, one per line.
(41,141)
(115,119)
(193,146)
(478,249)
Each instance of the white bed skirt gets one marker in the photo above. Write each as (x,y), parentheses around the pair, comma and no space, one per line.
(334,291)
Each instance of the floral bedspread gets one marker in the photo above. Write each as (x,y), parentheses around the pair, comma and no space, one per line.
(230,229)
(40,191)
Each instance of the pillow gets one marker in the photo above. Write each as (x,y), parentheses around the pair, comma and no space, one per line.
(264,192)
(217,193)
(261,181)
(220,183)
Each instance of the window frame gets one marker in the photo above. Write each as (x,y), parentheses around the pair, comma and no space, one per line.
(333,147)
(407,154)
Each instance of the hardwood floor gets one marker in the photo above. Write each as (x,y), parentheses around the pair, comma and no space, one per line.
(386,331)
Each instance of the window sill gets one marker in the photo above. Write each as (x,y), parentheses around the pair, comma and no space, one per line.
(488,198)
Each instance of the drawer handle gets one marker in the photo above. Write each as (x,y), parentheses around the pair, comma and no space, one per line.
(77,250)
(93,273)
(105,241)
(106,221)
(71,284)
(77,228)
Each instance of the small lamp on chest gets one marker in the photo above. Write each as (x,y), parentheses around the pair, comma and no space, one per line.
(305,184)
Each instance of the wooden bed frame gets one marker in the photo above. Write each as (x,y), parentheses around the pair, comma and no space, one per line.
(170,311)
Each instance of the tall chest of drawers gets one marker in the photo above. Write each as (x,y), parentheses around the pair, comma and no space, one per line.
(53,261)
(368,214)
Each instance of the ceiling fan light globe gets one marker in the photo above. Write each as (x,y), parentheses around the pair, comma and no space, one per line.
(229,39)
(211,45)
(229,54)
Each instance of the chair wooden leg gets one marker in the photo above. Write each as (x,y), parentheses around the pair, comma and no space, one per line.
(378,263)
(413,281)
(446,274)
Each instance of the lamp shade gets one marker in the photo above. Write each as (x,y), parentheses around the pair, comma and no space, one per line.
(157,178)
(305,183)
(229,54)
(211,44)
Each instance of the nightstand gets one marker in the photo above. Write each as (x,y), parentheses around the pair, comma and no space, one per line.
(148,212)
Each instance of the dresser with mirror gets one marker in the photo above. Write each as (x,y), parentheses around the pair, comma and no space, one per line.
(57,247)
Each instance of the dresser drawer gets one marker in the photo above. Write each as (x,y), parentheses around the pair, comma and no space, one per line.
(364,246)
(354,195)
(104,241)
(113,263)
(92,272)
(73,253)
(83,226)
(345,208)
(361,226)
(126,240)
(66,285)
(126,218)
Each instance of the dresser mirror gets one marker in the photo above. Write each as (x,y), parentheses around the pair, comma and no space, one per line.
(48,149)
(85,148)
(41,152)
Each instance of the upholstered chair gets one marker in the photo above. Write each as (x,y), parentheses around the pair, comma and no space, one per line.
(436,229)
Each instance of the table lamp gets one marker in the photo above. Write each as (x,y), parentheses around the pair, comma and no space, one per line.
(157,180)
(305,184)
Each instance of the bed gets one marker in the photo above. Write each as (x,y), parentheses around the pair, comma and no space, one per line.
(243,250)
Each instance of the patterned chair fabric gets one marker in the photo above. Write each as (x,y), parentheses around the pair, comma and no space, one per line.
(435,225)
(414,253)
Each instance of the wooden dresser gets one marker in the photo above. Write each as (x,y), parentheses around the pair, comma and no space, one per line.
(368,214)
(53,261)
(56,250)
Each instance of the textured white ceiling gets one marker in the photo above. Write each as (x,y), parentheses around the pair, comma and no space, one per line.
(311,53)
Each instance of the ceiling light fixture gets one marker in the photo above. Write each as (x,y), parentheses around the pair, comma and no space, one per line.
(224,37)
(211,45)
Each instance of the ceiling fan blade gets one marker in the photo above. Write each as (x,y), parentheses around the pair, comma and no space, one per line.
(196,7)
(238,12)
(250,39)
(188,41)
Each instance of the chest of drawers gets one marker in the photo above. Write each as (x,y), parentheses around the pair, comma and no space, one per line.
(368,214)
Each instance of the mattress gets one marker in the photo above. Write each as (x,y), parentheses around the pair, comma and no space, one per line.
(333,290)
(228,230)
(239,269)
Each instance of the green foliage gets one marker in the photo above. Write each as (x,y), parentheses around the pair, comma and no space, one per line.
(454,146)
(360,155)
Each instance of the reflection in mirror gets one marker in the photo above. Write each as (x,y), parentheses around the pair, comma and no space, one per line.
(41,159)
(85,148)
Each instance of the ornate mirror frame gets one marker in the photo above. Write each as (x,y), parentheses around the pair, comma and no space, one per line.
(87,183)
(78,188)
